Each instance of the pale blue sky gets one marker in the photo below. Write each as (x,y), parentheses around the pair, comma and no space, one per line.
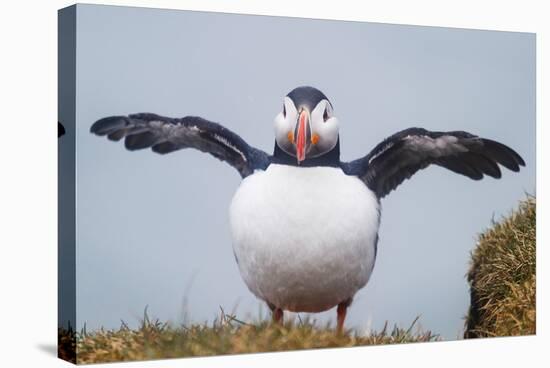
(153,230)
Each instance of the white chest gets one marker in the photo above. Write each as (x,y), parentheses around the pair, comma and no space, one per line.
(304,238)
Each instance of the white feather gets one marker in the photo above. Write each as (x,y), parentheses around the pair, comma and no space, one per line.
(304,238)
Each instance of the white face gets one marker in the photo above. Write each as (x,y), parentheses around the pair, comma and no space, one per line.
(306,134)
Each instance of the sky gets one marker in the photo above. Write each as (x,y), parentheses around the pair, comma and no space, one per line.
(153,230)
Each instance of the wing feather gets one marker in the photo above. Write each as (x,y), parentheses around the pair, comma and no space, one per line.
(164,135)
(403,154)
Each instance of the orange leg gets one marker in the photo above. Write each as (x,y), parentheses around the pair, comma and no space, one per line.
(278,316)
(341,316)
(277,313)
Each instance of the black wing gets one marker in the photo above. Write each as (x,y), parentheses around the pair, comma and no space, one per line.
(400,156)
(165,135)
(60,129)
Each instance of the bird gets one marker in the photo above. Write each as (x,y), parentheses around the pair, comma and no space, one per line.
(304,224)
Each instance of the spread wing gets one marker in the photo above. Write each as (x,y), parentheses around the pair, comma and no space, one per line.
(403,154)
(166,135)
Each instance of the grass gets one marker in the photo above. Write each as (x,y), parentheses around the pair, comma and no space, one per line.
(227,335)
(502,277)
(66,344)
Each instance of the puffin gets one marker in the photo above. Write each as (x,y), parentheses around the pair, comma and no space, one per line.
(304,224)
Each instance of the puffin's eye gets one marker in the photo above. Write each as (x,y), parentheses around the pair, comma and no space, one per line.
(284,111)
(325,115)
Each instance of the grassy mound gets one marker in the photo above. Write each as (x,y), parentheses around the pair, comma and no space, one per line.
(502,277)
(155,340)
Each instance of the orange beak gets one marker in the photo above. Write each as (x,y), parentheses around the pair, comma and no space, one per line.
(301,136)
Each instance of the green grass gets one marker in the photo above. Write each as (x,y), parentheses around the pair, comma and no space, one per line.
(502,277)
(227,335)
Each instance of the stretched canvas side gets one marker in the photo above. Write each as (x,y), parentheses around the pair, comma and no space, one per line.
(66,184)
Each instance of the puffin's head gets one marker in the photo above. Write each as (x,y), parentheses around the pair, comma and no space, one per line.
(306,128)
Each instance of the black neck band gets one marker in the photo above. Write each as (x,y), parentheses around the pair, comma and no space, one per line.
(330,159)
